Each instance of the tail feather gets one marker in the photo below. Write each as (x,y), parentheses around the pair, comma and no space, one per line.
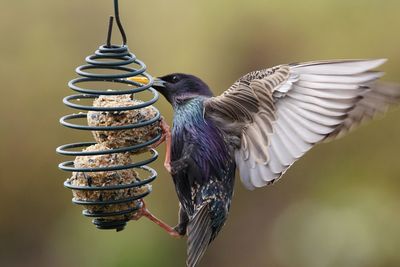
(199,235)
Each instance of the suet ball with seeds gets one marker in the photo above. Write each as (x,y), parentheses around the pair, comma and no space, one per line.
(122,138)
(104,179)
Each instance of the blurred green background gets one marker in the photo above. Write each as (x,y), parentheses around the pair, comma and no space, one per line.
(338,206)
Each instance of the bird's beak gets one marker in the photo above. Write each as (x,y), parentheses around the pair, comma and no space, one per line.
(144,80)
(158,83)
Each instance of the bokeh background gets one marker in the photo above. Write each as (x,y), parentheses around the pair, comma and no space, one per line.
(338,206)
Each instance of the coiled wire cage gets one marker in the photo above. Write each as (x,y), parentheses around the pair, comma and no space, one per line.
(114,58)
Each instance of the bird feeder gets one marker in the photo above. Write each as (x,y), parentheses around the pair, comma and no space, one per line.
(106,174)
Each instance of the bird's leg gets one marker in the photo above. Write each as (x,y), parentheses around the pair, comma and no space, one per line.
(165,137)
(144,212)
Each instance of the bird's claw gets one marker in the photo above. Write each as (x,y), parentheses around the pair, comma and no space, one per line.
(165,133)
(168,167)
(140,213)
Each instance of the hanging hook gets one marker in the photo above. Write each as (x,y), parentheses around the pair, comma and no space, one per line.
(110,27)
(121,29)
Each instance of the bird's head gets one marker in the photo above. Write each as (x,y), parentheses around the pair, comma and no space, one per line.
(178,87)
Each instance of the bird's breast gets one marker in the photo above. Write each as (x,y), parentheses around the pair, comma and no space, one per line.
(191,127)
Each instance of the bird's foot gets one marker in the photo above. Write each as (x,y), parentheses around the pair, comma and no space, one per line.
(165,137)
(167,166)
(144,212)
(165,133)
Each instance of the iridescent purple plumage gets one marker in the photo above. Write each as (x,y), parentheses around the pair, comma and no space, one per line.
(202,164)
(190,126)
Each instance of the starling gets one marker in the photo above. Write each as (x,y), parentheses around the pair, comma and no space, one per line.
(262,124)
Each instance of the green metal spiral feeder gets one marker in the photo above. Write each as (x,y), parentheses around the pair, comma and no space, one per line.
(106,174)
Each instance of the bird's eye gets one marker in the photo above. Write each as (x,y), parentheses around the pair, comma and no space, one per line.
(175,79)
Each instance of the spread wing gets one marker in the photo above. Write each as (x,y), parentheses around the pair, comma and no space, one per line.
(284,111)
